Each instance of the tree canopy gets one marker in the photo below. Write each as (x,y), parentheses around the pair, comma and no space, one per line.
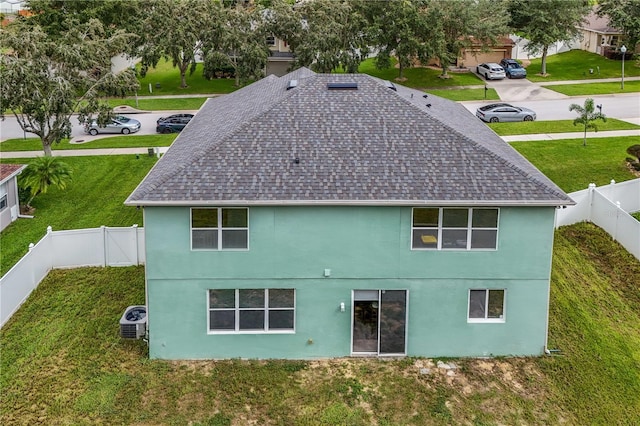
(625,16)
(466,23)
(45,79)
(545,22)
(178,31)
(241,44)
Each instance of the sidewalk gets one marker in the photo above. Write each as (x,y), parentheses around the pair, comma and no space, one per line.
(573,135)
(84,152)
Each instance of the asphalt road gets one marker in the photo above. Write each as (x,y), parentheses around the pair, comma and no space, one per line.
(623,106)
(9,128)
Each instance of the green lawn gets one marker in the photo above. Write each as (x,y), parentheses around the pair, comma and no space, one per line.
(421,78)
(573,166)
(64,363)
(465,94)
(559,126)
(575,65)
(172,104)
(95,197)
(595,88)
(129,141)
(168,78)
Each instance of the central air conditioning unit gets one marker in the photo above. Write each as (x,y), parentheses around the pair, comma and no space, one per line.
(133,323)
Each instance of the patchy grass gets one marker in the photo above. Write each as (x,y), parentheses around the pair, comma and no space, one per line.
(575,65)
(573,166)
(128,141)
(595,88)
(558,126)
(594,317)
(63,363)
(94,198)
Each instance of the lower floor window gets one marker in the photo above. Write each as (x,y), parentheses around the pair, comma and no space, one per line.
(486,306)
(251,310)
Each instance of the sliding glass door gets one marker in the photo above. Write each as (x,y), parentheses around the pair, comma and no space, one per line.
(379,322)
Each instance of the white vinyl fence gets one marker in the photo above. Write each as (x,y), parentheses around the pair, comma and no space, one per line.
(102,246)
(608,207)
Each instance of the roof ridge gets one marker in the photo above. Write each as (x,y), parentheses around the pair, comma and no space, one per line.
(213,144)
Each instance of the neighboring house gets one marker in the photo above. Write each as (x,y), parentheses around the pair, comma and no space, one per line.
(330,215)
(280,57)
(476,54)
(9,203)
(598,36)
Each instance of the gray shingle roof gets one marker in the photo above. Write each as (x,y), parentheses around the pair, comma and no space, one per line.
(265,144)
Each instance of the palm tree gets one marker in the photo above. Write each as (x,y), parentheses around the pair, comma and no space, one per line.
(587,117)
(42,173)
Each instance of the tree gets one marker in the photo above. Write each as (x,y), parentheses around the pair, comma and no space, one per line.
(625,16)
(322,34)
(587,117)
(45,80)
(178,31)
(43,172)
(55,17)
(241,44)
(463,23)
(545,22)
(402,29)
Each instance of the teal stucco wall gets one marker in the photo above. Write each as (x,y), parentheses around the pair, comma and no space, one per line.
(364,248)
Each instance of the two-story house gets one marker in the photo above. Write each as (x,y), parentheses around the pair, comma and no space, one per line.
(313,216)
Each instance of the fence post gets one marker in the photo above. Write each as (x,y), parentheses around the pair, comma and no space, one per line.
(135,233)
(615,229)
(104,245)
(592,186)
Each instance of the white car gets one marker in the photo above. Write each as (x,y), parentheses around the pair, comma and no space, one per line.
(491,71)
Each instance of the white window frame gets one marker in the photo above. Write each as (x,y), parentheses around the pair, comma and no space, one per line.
(266,310)
(219,228)
(4,202)
(486,306)
(469,228)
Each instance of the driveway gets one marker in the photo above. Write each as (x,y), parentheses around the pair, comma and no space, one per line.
(521,89)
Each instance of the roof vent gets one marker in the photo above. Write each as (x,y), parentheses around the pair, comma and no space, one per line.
(352,85)
(390,85)
(292,84)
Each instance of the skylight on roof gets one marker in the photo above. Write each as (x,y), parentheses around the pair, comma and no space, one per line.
(349,85)
(292,84)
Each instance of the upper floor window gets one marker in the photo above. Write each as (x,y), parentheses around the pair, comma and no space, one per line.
(444,228)
(271,41)
(219,228)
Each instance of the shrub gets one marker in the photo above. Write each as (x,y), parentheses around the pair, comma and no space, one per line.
(634,150)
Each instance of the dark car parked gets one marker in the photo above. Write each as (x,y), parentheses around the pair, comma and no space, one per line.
(173,123)
(513,69)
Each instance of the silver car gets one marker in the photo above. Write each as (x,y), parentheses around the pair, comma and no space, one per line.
(491,71)
(495,113)
(118,124)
